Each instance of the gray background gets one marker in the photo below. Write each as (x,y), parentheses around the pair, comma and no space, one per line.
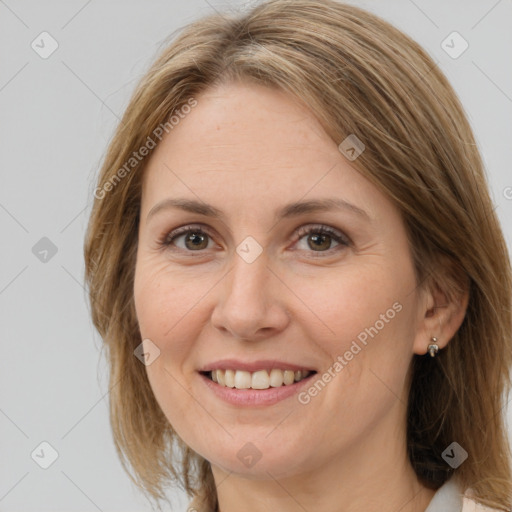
(57,115)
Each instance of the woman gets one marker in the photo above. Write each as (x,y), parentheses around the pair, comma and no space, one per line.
(295,265)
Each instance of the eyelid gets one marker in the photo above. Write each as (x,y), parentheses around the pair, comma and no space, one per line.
(322,228)
(166,241)
(339,237)
(181,230)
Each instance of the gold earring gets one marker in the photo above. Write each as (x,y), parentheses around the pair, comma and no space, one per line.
(433,348)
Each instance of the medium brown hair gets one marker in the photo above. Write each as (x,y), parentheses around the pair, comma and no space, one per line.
(358,75)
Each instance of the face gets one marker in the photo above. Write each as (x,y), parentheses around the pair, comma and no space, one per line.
(244,282)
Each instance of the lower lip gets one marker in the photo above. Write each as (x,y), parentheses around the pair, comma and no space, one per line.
(254,397)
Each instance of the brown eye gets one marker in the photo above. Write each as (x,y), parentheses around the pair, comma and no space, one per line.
(196,240)
(319,239)
(320,242)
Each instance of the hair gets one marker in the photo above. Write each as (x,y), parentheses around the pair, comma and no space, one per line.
(358,75)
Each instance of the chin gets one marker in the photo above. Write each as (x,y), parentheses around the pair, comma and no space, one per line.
(261,461)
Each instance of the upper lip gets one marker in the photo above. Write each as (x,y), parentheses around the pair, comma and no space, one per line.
(262,364)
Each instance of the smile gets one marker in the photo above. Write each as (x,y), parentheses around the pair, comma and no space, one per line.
(261,379)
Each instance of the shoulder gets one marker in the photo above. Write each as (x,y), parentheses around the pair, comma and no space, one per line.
(470,505)
(195,506)
(198,505)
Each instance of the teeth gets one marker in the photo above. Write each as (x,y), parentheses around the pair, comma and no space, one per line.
(242,379)
(229,378)
(276,378)
(289,377)
(261,379)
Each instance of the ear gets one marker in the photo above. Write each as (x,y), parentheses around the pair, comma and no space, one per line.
(441,310)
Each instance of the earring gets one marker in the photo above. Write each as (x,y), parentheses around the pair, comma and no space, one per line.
(433,348)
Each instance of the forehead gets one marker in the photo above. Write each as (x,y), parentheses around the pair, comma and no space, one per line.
(244,123)
(246,142)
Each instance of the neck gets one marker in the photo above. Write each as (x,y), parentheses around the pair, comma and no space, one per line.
(394,489)
(374,475)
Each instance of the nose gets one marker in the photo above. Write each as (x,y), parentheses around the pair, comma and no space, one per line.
(251,301)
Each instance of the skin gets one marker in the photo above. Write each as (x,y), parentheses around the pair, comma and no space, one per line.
(249,150)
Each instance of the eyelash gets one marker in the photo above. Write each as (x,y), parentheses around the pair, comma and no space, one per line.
(320,229)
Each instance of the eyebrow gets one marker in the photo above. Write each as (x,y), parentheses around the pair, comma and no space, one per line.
(287,211)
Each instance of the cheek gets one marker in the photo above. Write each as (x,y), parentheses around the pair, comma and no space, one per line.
(368,329)
(166,315)
(357,305)
(165,301)
(161,309)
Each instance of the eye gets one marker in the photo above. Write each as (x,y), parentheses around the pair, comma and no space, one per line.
(320,238)
(194,238)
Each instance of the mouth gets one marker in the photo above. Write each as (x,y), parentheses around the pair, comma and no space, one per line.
(257,380)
